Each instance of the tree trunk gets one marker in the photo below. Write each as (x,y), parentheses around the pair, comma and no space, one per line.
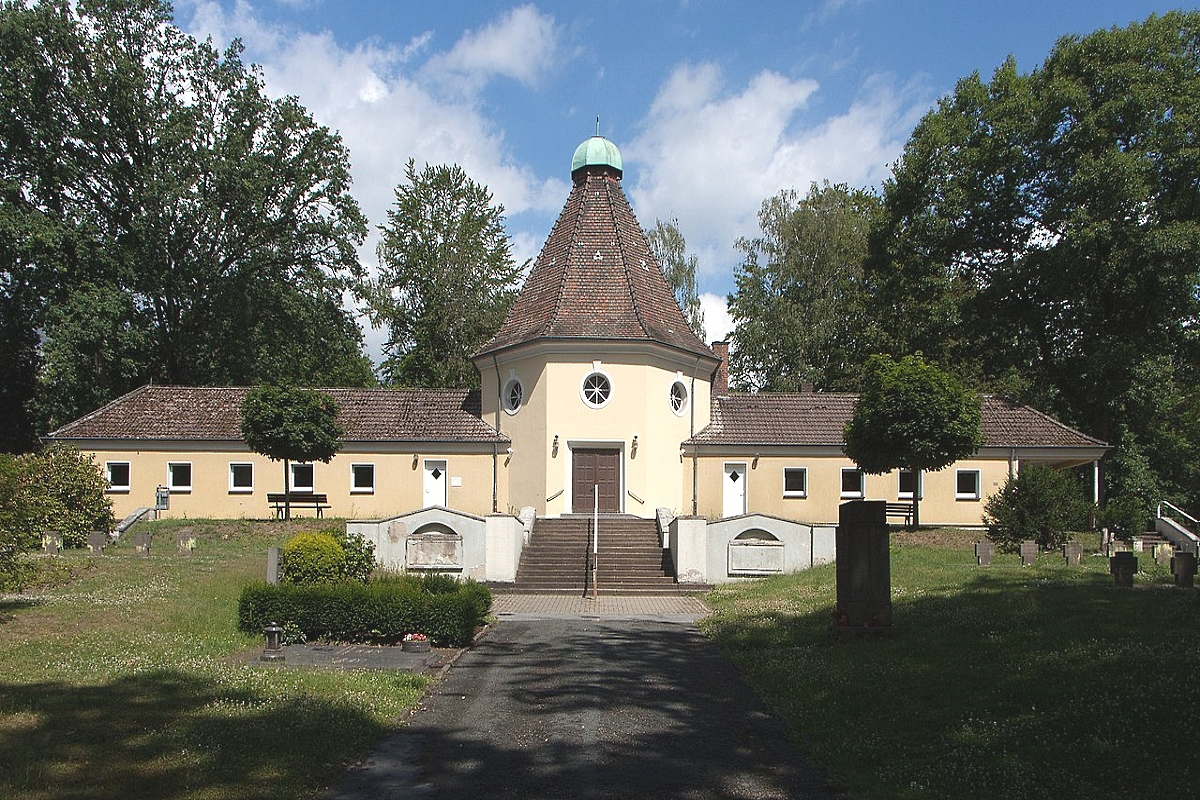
(287,493)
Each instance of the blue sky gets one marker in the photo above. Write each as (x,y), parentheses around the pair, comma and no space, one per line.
(715,105)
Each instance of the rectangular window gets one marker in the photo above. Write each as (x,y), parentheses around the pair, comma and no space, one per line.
(179,476)
(966,485)
(908,485)
(795,482)
(117,473)
(241,478)
(362,478)
(852,483)
(302,478)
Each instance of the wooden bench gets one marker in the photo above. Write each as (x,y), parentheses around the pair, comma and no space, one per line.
(281,500)
(903,510)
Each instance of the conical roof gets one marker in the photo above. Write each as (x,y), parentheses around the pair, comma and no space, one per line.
(596,277)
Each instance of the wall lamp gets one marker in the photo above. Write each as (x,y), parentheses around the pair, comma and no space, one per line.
(554,447)
(633,447)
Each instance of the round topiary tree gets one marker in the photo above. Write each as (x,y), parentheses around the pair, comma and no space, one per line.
(1041,504)
(313,557)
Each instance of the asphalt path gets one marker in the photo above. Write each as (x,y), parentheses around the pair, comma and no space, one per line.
(588,708)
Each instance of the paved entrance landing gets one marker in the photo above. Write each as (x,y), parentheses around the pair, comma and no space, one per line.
(557,606)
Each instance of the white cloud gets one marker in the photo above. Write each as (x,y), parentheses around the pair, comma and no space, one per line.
(718,323)
(709,156)
(521,45)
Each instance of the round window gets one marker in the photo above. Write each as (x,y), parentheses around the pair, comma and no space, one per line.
(596,389)
(679,397)
(514,395)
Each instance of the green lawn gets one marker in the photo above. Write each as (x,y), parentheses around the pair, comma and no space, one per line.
(131,680)
(998,682)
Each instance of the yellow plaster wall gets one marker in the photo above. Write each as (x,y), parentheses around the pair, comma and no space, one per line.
(764,487)
(398,485)
(640,404)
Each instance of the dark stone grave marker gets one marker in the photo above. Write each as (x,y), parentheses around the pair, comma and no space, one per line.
(1072,552)
(52,543)
(1029,553)
(864,569)
(272,565)
(984,550)
(1123,565)
(1183,567)
(96,542)
(141,543)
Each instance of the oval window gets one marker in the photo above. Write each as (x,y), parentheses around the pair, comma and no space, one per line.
(596,389)
(679,398)
(514,396)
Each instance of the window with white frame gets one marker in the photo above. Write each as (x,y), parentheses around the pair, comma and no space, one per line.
(362,478)
(117,474)
(514,395)
(241,477)
(302,478)
(795,482)
(679,398)
(179,476)
(852,483)
(908,484)
(966,485)
(596,389)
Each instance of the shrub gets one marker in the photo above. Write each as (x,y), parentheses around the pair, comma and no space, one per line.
(59,488)
(1125,517)
(1041,504)
(360,555)
(312,557)
(381,611)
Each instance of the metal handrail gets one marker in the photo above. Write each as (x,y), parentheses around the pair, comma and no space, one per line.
(595,539)
(1177,510)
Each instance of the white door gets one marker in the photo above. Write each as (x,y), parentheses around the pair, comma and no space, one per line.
(735,490)
(435,483)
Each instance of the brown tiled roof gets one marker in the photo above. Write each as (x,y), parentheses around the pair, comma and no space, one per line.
(596,278)
(208,413)
(817,419)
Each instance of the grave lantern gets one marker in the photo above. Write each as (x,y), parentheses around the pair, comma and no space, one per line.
(274,650)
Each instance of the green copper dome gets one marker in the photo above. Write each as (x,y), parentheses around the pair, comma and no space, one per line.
(596,152)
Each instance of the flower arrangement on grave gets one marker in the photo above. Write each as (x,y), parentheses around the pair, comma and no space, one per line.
(415,637)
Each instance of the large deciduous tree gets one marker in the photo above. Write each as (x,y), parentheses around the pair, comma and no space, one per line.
(289,424)
(798,305)
(670,249)
(446,277)
(1047,226)
(170,220)
(911,415)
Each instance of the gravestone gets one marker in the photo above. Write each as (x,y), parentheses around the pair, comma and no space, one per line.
(864,569)
(96,542)
(984,550)
(141,543)
(52,543)
(184,543)
(1183,567)
(1163,553)
(1072,552)
(272,565)
(1029,552)
(1123,565)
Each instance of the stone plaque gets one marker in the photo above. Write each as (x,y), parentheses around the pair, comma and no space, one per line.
(1163,553)
(984,550)
(96,542)
(1072,552)
(272,565)
(434,551)
(1029,552)
(52,543)
(185,543)
(755,557)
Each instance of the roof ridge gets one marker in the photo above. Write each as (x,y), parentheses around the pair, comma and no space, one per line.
(625,267)
(1044,416)
(561,289)
(79,421)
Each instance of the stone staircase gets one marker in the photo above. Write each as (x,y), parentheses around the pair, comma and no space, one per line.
(632,560)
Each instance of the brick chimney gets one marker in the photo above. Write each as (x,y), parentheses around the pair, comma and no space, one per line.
(720,379)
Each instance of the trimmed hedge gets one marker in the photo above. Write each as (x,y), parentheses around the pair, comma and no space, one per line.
(381,611)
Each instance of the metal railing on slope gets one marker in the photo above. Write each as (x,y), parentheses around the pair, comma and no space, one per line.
(1178,527)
